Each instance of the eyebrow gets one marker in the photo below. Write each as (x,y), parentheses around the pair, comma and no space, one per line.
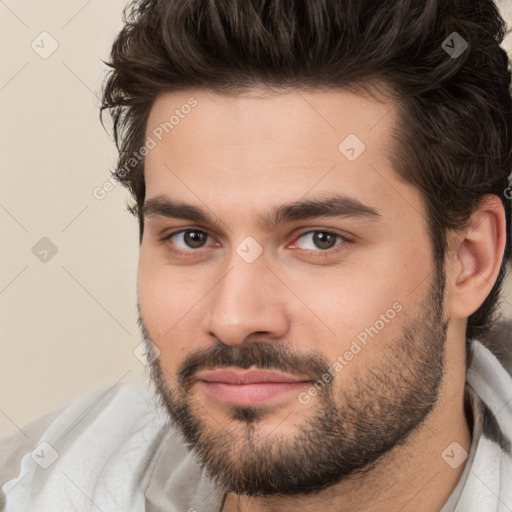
(330,206)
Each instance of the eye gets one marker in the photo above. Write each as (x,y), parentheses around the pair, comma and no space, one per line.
(187,241)
(190,239)
(319,239)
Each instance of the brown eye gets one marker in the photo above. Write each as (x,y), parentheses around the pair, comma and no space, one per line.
(195,239)
(189,238)
(323,240)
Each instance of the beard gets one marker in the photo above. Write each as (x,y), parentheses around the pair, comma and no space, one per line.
(343,433)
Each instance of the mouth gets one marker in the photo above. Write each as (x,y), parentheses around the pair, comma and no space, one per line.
(249,387)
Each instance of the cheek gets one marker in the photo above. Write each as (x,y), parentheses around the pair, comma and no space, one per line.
(170,308)
(363,323)
(367,304)
(348,300)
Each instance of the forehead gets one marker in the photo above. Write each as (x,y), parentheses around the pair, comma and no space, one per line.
(260,146)
(313,121)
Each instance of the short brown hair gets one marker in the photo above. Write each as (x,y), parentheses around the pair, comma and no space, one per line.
(454,137)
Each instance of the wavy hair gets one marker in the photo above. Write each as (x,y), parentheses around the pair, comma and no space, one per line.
(454,134)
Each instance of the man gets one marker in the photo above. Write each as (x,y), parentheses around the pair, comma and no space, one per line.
(321,189)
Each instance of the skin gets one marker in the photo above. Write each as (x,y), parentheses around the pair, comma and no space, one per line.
(239,157)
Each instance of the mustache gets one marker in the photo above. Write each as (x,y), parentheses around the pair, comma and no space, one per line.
(264,356)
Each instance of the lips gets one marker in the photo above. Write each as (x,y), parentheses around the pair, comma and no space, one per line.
(247,377)
(249,387)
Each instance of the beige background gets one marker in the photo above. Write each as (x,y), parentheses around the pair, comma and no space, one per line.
(68,325)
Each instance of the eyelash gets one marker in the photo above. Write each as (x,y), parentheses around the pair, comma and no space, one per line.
(309,252)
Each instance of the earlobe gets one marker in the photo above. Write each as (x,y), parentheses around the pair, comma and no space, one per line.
(478,257)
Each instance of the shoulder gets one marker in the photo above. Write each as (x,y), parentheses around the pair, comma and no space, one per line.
(499,342)
(490,375)
(14,446)
(95,436)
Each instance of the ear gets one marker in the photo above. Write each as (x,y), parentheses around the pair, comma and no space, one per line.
(475,257)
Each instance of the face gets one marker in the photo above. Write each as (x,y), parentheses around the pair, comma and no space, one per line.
(286,278)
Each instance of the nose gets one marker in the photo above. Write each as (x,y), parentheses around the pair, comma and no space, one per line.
(249,299)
